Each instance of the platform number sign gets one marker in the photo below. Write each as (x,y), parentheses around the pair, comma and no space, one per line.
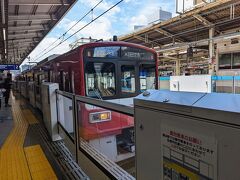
(9,67)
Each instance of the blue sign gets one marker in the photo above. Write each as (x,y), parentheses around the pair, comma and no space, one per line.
(9,67)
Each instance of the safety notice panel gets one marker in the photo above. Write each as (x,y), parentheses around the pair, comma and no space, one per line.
(188,155)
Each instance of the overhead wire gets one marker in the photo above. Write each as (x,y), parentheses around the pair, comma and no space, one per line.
(82,27)
(62,36)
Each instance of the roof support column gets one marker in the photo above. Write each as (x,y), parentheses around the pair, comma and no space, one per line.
(177,65)
(211,67)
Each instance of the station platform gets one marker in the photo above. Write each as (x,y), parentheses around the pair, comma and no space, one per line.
(26,151)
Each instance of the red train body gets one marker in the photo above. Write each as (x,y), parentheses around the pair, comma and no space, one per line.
(107,70)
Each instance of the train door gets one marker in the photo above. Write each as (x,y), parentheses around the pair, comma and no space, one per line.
(147,76)
(66,112)
(61,80)
(128,74)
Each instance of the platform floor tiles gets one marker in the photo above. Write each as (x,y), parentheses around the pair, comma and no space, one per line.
(17,162)
(38,164)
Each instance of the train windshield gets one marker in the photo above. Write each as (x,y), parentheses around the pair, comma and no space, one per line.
(100,79)
(118,72)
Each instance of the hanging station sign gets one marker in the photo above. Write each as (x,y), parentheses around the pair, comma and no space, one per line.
(9,67)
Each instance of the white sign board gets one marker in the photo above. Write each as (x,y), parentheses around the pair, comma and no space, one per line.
(189,154)
(195,83)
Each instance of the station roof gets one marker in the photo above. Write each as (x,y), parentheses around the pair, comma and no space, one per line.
(24,23)
(191,26)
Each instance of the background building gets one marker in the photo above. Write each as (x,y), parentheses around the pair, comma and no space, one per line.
(159,15)
(137,27)
(156,16)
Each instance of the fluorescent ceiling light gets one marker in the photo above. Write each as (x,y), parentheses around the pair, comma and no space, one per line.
(4,34)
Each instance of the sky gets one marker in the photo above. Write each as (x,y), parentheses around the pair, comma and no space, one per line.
(119,21)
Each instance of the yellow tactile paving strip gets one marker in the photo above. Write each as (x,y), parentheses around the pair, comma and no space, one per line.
(13,162)
(29,116)
(38,163)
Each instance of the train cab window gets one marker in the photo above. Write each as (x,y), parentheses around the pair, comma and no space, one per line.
(147,76)
(103,52)
(100,79)
(128,78)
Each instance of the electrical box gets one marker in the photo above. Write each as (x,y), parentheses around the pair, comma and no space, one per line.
(184,135)
(49,109)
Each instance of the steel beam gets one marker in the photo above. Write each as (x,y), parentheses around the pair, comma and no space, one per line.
(24,40)
(20,50)
(166,33)
(205,22)
(20,45)
(24,35)
(40,2)
(203,42)
(146,41)
(36,17)
(26,28)
(202,20)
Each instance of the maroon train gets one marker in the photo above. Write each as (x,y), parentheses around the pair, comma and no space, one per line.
(105,70)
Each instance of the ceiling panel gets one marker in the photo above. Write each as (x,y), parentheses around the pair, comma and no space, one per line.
(27,23)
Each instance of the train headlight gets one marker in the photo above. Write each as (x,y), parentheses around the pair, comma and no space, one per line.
(100,116)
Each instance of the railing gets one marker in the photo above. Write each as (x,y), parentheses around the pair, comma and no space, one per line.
(93,140)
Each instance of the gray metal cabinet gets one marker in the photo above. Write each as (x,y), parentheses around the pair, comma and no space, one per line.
(183,135)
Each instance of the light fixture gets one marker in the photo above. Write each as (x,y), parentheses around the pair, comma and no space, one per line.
(4,34)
